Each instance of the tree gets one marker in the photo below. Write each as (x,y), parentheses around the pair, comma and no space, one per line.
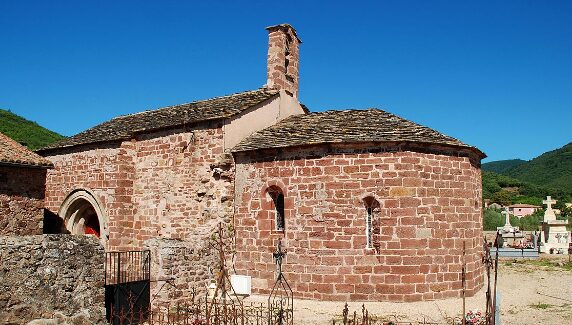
(492,219)
(503,197)
(533,221)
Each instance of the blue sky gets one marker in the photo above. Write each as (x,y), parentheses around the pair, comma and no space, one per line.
(497,75)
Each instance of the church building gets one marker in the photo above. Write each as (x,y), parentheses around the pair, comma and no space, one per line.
(368,205)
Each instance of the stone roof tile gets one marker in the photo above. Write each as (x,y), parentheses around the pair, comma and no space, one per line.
(124,127)
(13,153)
(335,126)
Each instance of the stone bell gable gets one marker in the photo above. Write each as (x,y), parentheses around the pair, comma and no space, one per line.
(283,59)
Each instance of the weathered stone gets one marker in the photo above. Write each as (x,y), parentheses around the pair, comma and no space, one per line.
(40,286)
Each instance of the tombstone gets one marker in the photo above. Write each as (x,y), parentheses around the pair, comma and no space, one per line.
(507,224)
(549,214)
(554,238)
(509,233)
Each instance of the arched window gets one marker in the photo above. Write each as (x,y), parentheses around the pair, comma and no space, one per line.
(371,223)
(277,197)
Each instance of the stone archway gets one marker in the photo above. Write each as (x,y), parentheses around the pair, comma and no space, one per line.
(83,215)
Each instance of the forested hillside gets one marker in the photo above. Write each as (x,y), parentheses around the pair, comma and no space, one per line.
(506,190)
(516,181)
(501,166)
(26,132)
(552,169)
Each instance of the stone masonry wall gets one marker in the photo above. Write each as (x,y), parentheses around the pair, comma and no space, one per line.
(51,277)
(183,184)
(182,190)
(174,186)
(21,200)
(428,205)
(107,173)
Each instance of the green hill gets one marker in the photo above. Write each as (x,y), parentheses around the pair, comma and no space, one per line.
(518,181)
(552,169)
(26,132)
(502,166)
(506,190)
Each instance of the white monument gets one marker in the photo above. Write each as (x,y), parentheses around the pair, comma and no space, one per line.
(507,226)
(510,234)
(554,238)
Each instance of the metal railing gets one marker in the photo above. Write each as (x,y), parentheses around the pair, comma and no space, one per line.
(129,266)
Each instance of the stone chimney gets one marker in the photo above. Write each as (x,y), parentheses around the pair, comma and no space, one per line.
(283,58)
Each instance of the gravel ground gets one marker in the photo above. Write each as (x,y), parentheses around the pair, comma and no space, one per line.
(530,292)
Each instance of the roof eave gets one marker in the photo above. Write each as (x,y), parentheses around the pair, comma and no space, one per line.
(481,155)
(26,165)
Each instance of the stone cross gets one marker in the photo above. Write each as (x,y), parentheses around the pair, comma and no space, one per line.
(549,202)
(549,213)
(507,218)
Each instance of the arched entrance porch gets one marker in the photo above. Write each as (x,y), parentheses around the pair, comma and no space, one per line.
(83,215)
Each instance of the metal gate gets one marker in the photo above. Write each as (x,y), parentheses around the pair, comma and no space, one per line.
(127,287)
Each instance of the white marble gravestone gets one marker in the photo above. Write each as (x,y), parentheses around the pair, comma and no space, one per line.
(509,233)
(554,238)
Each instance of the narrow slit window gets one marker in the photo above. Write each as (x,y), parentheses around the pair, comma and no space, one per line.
(277,197)
(369,228)
(287,55)
(279,206)
(372,230)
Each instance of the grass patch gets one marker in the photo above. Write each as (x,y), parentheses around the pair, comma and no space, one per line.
(541,262)
(541,306)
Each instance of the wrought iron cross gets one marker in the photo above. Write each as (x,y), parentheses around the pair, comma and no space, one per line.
(278,255)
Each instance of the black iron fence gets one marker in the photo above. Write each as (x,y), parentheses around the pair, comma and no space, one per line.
(209,311)
(365,318)
(127,287)
(129,266)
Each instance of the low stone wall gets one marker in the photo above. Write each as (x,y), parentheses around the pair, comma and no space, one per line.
(58,277)
(180,268)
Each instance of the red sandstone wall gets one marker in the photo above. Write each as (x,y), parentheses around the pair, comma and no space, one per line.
(166,191)
(182,190)
(429,205)
(106,172)
(21,200)
(183,184)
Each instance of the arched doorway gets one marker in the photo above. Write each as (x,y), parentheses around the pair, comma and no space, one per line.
(83,215)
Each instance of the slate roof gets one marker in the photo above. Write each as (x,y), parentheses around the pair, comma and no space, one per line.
(124,127)
(370,125)
(13,153)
